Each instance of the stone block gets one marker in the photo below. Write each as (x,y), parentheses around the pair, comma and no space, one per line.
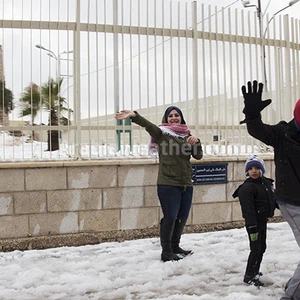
(236,211)
(13,227)
(211,213)
(138,218)
(45,179)
(137,175)
(230,171)
(6,204)
(74,200)
(239,171)
(123,197)
(11,180)
(53,223)
(209,193)
(97,221)
(231,187)
(92,177)
(30,202)
(150,194)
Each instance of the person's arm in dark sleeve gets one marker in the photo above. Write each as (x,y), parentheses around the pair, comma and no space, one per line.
(197,151)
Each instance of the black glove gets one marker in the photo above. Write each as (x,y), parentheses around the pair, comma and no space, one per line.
(252,100)
(254,237)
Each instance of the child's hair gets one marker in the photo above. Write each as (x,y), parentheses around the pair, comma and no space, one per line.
(254,161)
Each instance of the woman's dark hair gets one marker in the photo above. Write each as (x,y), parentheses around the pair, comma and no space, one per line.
(167,112)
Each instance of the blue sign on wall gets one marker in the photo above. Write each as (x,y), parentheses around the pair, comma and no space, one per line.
(209,174)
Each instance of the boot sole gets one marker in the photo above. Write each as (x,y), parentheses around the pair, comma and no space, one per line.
(182,255)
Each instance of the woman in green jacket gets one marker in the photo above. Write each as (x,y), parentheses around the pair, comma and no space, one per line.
(175,146)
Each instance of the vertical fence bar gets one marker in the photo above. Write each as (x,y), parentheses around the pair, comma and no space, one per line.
(89,81)
(97,83)
(218,107)
(77,83)
(12,67)
(204,90)
(195,67)
(225,81)
(105,78)
(210,106)
(171,54)
(3,81)
(131,68)
(187,61)
(22,83)
(293,64)
(155,59)
(116,69)
(140,78)
(70,154)
(231,79)
(163,53)
(281,78)
(124,105)
(58,137)
(237,87)
(287,65)
(297,29)
(147,66)
(179,54)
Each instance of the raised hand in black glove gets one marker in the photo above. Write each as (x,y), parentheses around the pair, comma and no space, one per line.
(252,100)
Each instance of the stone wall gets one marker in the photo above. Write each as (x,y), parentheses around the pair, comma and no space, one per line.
(59,199)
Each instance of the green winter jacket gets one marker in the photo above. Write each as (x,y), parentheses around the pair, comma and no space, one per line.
(174,155)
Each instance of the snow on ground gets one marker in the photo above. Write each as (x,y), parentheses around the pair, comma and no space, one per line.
(133,269)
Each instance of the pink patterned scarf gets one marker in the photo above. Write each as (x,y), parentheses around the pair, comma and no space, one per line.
(174,129)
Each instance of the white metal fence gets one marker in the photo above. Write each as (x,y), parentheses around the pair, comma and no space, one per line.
(104,55)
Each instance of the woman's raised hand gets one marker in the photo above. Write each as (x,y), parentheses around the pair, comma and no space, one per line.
(124,114)
(192,140)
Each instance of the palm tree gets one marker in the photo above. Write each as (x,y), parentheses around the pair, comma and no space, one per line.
(6,100)
(31,103)
(55,104)
(46,97)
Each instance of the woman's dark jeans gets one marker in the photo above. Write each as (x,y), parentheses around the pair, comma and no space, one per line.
(175,201)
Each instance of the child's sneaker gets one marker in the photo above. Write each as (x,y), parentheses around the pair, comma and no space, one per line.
(253,280)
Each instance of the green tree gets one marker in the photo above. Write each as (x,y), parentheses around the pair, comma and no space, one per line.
(6,99)
(55,105)
(47,97)
(31,101)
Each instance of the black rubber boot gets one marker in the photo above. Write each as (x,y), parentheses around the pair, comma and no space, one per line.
(166,230)
(177,232)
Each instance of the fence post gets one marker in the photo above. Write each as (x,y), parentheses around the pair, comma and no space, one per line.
(77,106)
(195,67)
(288,108)
(116,67)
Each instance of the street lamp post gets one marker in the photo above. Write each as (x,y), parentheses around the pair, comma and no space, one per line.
(57,58)
(53,135)
(262,34)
